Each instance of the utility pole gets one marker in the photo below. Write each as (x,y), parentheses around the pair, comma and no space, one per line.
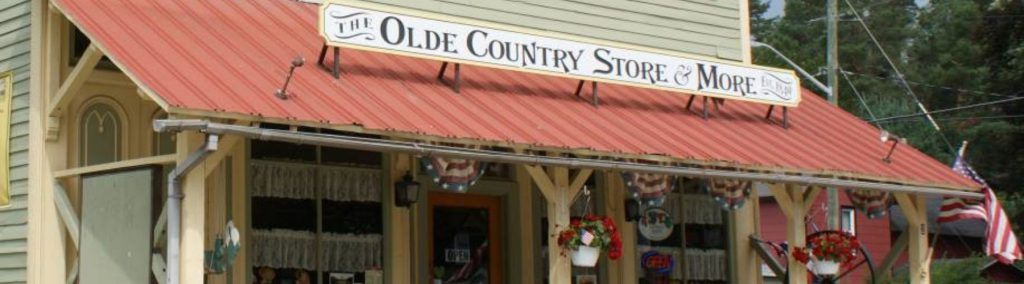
(832,16)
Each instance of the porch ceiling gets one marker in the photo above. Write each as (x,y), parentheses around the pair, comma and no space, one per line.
(225,59)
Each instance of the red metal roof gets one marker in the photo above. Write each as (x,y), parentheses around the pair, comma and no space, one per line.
(226,58)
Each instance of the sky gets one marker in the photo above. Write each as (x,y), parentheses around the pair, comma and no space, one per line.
(775,6)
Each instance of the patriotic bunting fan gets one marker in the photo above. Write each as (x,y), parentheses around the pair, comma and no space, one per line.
(874,203)
(730,194)
(649,188)
(453,174)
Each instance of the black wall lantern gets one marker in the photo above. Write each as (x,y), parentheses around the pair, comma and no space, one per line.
(407,191)
(632,210)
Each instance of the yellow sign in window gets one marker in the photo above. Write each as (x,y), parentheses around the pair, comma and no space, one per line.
(6,90)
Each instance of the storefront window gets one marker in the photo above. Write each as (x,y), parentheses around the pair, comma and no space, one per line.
(314,221)
(684,239)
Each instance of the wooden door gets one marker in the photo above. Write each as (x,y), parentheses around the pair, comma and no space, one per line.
(465,240)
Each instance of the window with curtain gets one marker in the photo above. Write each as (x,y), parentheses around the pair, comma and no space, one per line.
(6,91)
(99,135)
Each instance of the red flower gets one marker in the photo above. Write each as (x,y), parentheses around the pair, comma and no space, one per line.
(800,255)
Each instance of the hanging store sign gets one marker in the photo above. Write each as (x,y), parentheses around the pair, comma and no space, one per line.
(377,27)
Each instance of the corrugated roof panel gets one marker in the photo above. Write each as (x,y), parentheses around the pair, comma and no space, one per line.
(226,58)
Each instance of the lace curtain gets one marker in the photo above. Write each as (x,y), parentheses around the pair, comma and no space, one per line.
(706,264)
(300,181)
(297,249)
(695,209)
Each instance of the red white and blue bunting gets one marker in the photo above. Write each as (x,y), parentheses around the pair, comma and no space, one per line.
(730,194)
(650,189)
(453,174)
(874,203)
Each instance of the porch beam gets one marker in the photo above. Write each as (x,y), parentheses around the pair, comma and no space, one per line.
(783,198)
(796,233)
(579,181)
(914,209)
(895,251)
(809,196)
(226,148)
(908,207)
(541,179)
(426,149)
(75,80)
(152,160)
(67,213)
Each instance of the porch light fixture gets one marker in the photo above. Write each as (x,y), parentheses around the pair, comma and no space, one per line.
(282,93)
(896,140)
(632,210)
(407,191)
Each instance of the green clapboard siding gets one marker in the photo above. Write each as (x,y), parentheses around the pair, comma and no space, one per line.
(702,27)
(15,46)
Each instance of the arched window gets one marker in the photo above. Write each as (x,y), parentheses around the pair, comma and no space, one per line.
(163,142)
(99,135)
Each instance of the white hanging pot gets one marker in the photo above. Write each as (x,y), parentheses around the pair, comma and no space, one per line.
(825,267)
(585,256)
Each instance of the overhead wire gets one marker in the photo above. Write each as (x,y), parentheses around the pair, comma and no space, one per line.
(962,90)
(1012,116)
(860,98)
(910,91)
(949,109)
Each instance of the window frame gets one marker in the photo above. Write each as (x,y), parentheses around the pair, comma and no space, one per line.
(120,151)
(848,212)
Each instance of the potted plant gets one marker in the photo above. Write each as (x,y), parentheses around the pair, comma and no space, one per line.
(586,237)
(438,275)
(826,251)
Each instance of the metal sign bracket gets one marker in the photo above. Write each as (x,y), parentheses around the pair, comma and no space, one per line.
(456,84)
(785,116)
(594,99)
(336,69)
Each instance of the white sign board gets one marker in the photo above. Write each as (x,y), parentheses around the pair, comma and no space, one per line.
(370,26)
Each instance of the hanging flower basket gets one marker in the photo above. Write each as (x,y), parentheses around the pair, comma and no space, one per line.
(585,256)
(827,252)
(825,267)
(586,237)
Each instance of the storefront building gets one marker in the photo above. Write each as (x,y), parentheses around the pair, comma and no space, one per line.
(413,141)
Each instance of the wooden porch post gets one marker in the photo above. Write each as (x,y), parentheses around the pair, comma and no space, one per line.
(623,270)
(193,212)
(559,193)
(46,259)
(914,208)
(398,245)
(792,202)
(745,266)
(526,234)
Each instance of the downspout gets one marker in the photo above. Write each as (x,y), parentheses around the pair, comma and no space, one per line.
(174,197)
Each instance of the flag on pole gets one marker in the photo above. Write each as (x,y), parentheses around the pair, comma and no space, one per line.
(1001,243)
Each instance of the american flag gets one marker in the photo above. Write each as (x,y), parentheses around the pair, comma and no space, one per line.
(1001,243)
(586,237)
